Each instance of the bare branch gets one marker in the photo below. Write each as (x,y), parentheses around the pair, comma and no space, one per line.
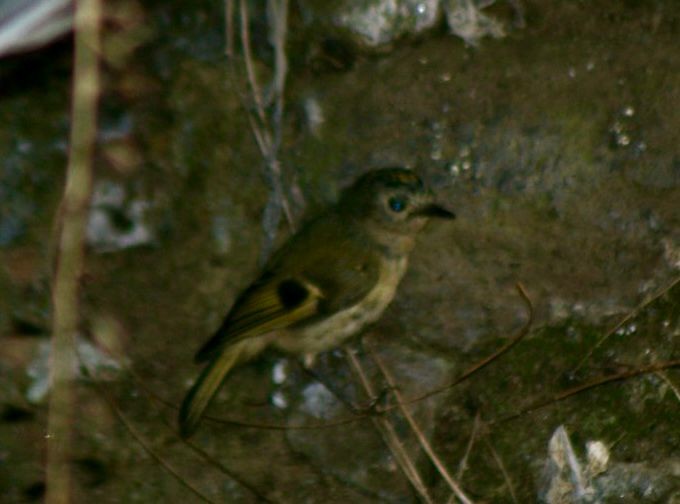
(486,361)
(268,131)
(71,251)
(462,465)
(422,439)
(139,382)
(561,396)
(625,320)
(146,446)
(668,381)
(248,59)
(390,436)
(501,466)
(278,18)
(229,28)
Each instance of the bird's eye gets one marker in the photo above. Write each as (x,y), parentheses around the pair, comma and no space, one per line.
(397,204)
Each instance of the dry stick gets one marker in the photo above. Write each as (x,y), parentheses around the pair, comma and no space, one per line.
(138,437)
(269,146)
(279,19)
(248,59)
(624,320)
(71,253)
(654,368)
(229,28)
(230,53)
(139,382)
(668,381)
(390,436)
(424,443)
(219,466)
(501,466)
(262,136)
(281,427)
(229,50)
(278,10)
(275,168)
(140,440)
(462,465)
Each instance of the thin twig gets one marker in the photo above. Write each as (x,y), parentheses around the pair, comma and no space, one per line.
(229,51)
(501,466)
(275,168)
(229,28)
(268,133)
(625,320)
(248,60)
(147,448)
(278,18)
(487,360)
(654,368)
(668,381)
(219,466)
(139,438)
(259,134)
(278,25)
(390,436)
(462,465)
(422,439)
(71,252)
(140,383)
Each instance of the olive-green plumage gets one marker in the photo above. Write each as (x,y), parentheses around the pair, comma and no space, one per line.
(327,282)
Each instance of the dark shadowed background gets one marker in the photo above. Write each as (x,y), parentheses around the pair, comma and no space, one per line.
(550,128)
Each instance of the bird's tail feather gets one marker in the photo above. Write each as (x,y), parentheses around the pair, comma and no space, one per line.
(205,388)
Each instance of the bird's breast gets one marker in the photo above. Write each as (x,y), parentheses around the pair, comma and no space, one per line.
(335,329)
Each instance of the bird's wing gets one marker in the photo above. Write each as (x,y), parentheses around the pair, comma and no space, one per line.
(268,305)
(292,292)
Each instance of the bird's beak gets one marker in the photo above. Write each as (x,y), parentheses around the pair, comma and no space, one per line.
(433,210)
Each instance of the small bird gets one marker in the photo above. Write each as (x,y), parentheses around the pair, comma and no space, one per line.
(326,283)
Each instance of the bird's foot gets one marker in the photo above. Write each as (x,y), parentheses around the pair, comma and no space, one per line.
(376,406)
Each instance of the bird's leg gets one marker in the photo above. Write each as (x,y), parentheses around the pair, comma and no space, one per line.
(377,401)
(376,405)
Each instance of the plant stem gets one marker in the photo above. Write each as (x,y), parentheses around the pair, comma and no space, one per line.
(70,255)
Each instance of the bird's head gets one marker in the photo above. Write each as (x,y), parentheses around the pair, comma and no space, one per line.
(394,199)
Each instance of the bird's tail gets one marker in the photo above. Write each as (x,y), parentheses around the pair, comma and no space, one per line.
(205,388)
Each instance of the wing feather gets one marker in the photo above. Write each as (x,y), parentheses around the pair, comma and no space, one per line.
(292,291)
(260,310)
